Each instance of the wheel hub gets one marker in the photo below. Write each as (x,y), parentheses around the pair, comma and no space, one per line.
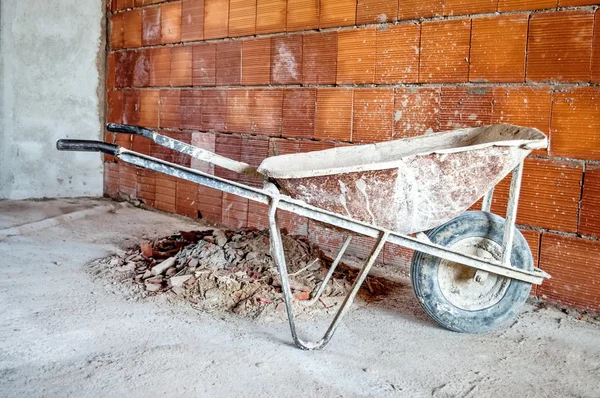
(466,287)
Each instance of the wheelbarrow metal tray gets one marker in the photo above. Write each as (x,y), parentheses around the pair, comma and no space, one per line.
(408,185)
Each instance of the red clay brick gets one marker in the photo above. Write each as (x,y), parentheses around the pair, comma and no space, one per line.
(254,151)
(127,181)
(319,58)
(373,110)
(575,123)
(256,61)
(132,36)
(356,56)
(299,112)
(333,115)
(124,68)
(117,32)
(209,204)
(240,104)
(337,13)
(286,59)
(204,58)
(398,256)
(415,9)
(376,11)
(192,20)
(498,46)
(462,7)
(139,3)
(229,146)
(204,141)
(214,110)
(171,23)
(149,100)
(141,145)
(589,214)
(465,107)
(114,100)
(311,146)
(549,194)
(268,112)
(270,16)
(131,107)
(397,58)
(302,15)
(560,46)
(166,187)
(258,215)
(571,3)
(151,26)
(445,51)
(242,18)
(185,198)
(191,109)
(216,19)
(141,69)
(596,50)
(111,179)
(229,63)
(170,109)
(181,66)
(416,111)
(524,5)
(523,106)
(235,211)
(573,264)
(160,66)
(118,5)
(279,146)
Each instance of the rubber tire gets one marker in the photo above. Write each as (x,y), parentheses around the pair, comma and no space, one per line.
(424,268)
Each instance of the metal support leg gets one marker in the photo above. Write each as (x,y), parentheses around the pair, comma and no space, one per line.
(486,204)
(279,258)
(336,262)
(511,214)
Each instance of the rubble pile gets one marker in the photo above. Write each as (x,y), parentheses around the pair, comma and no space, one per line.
(233,271)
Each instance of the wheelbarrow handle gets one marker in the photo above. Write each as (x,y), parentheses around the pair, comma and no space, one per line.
(129,129)
(187,149)
(87,146)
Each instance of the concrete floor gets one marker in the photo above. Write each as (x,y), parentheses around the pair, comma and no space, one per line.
(66,332)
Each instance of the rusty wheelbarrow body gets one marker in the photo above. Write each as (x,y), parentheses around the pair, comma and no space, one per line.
(471,271)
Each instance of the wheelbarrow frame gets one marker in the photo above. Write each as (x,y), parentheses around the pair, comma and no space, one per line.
(271,196)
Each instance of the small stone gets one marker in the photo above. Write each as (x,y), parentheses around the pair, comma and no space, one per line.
(162,267)
(171,271)
(178,281)
(178,290)
(302,296)
(193,263)
(220,238)
(151,287)
(147,274)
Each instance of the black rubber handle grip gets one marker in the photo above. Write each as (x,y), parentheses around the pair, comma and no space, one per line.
(87,146)
(128,129)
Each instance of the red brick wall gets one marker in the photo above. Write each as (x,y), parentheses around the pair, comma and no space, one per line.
(249,79)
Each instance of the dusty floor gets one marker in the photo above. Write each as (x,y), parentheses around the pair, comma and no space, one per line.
(65,333)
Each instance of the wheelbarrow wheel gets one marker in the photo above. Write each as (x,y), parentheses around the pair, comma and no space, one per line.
(460,298)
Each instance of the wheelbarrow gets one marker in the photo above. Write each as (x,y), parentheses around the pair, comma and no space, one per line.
(471,271)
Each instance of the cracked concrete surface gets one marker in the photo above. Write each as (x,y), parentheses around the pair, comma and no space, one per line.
(65,333)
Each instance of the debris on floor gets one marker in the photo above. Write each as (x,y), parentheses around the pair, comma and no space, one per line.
(232,271)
